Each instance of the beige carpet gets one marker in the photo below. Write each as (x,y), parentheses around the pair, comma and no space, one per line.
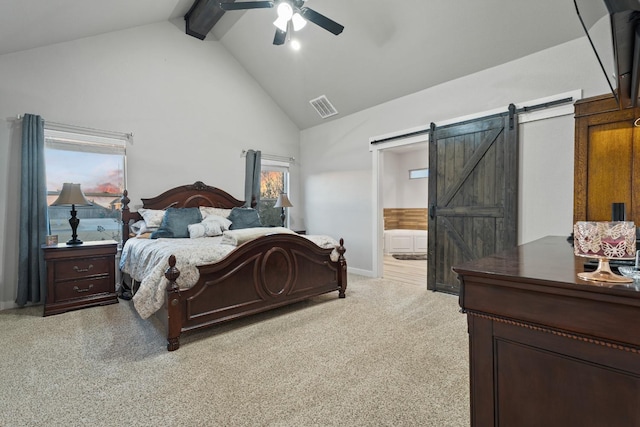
(387,355)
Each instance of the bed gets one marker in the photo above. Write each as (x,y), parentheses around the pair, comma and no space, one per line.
(258,270)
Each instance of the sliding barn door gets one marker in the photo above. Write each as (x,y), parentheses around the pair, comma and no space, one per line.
(473,194)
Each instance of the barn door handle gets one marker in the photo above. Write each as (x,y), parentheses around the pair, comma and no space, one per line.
(432,211)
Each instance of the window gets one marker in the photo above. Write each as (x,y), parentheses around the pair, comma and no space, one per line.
(418,173)
(274,179)
(98,165)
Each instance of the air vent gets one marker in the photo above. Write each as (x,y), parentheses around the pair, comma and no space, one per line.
(323,107)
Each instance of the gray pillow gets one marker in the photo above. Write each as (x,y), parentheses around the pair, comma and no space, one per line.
(244,218)
(176,221)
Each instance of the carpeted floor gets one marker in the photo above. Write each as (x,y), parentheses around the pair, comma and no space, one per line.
(387,355)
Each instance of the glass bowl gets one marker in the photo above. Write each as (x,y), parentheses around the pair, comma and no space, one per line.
(629,271)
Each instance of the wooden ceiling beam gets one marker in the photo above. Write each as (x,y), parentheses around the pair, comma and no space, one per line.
(202,16)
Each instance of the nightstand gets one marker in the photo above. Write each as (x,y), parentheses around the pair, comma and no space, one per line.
(80,276)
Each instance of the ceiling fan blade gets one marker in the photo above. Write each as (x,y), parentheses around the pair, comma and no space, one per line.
(280,37)
(246,5)
(321,20)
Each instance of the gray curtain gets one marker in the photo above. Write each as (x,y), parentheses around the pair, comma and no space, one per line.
(252,177)
(32,283)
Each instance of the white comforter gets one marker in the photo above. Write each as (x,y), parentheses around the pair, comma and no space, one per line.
(146,260)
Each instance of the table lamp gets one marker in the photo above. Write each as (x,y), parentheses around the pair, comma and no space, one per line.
(283,202)
(71,194)
(604,241)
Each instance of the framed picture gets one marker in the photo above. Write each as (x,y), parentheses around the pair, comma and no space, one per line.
(52,240)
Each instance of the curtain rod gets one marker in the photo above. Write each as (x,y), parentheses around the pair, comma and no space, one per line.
(86,130)
(272,157)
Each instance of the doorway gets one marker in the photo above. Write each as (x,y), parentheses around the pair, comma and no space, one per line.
(403,189)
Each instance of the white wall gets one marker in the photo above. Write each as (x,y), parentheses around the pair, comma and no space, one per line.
(398,190)
(191,107)
(335,156)
(390,167)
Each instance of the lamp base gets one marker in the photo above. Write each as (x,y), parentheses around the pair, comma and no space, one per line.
(74,222)
(604,274)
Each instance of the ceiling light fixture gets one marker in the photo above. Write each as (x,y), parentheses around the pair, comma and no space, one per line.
(298,22)
(285,11)
(281,23)
(285,14)
(293,15)
(295,44)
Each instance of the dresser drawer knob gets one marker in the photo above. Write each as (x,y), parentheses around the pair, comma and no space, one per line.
(77,289)
(82,270)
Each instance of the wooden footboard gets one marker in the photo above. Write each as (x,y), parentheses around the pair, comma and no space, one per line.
(262,274)
(265,273)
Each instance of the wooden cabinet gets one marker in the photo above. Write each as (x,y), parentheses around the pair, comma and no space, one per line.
(546,348)
(606,160)
(80,276)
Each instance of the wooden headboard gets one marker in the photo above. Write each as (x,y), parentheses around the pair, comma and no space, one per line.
(184,196)
(405,218)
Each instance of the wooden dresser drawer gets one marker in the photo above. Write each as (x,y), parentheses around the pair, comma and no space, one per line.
(82,288)
(80,268)
(80,276)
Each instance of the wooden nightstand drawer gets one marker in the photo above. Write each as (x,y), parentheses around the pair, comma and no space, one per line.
(81,268)
(80,276)
(82,288)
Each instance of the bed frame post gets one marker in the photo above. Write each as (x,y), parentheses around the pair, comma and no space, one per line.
(173,306)
(342,273)
(125,216)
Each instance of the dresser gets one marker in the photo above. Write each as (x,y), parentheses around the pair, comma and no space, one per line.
(80,276)
(546,348)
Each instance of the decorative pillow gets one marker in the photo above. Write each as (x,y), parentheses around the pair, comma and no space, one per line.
(224,223)
(175,223)
(206,228)
(137,226)
(208,210)
(244,218)
(238,237)
(152,217)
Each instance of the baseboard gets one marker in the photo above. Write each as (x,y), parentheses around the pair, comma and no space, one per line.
(360,272)
(6,305)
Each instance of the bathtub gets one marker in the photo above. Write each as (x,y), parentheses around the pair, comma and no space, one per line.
(405,241)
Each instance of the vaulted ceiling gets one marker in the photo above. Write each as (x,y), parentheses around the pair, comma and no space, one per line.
(387,49)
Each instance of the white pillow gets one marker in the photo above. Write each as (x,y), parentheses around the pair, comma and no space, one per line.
(140,227)
(224,223)
(137,226)
(152,217)
(208,210)
(204,229)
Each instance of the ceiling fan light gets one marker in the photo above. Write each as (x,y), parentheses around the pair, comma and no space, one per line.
(285,11)
(298,21)
(295,44)
(281,23)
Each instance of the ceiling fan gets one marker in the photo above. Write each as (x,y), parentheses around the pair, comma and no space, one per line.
(292,15)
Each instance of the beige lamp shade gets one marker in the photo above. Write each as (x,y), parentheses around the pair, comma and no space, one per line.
(71,194)
(283,201)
